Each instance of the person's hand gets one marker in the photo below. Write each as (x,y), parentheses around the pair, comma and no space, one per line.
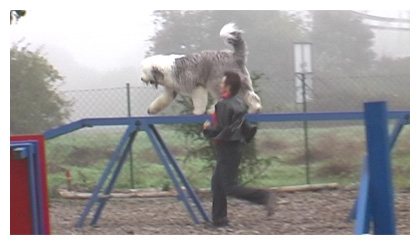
(206,124)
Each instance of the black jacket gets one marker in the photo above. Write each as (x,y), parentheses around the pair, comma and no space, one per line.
(231,124)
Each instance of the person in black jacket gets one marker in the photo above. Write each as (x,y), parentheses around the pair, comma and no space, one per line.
(230,131)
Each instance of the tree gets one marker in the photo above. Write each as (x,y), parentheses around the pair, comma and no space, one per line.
(389,66)
(342,43)
(345,70)
(34,102)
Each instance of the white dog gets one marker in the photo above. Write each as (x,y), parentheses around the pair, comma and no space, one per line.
(199,73)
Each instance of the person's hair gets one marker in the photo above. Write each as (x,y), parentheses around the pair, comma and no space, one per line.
(232,80)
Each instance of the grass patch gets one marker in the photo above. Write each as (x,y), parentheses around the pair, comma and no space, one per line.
(335,156)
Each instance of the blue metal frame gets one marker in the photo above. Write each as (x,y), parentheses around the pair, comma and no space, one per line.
(275,117)
(125,141)
(164,151)
(147,124)
(361,209)
(117,160)
(164,158)
(379,168)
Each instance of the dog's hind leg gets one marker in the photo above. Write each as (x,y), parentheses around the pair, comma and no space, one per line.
(199,98)
(249,96)
(161,102)
(253,101)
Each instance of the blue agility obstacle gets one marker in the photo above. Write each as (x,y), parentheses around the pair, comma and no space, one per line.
(101,193)
(375,202)
(147,124)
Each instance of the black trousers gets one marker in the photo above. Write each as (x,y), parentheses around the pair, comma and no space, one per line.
(225,180)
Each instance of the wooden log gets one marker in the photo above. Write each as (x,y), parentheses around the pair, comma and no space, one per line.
(154,193)
(139,194)
(311,187)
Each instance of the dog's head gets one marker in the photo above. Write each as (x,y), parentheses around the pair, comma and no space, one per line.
(158,69)
(151,74)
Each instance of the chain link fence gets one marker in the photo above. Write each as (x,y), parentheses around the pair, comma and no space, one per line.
(332,153)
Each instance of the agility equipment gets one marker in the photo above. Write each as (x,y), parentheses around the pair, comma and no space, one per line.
(375,201)
(147,124)
(104,187)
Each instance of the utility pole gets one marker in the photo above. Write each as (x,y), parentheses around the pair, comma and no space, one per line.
(303,76)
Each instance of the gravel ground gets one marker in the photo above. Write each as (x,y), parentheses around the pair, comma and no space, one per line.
(302,213)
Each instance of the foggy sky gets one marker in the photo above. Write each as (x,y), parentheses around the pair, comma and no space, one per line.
(109,38)
(87,34)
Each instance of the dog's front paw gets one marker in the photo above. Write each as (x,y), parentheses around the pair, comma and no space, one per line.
(151,112)
(211,111)
(255,109)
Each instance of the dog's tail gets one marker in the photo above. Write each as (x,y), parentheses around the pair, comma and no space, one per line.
(232,35)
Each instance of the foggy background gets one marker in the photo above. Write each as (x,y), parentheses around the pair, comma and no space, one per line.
(85,45)
(99,51)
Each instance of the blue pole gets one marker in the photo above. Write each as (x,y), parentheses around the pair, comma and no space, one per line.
(94,198)
(362,211)
(102,201)
(165,161)
(379,167)
(32,187)
(182,177)
(364,183)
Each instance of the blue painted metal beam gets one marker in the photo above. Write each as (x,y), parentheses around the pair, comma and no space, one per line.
(95,195)
(316,116)
(363,215)
(65,129)
(165,160)
(180,174)
(275,117)
(116,172)
(146,123)
(397,129)
(364,183)
(381,191)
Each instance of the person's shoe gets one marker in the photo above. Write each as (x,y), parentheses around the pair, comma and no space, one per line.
(271,203)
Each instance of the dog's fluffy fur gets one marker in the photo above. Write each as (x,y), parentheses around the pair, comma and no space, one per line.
(199,73)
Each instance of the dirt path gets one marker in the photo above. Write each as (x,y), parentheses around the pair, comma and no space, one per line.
(303,213)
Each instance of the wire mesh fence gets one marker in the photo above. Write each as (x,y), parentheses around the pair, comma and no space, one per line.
(332,152)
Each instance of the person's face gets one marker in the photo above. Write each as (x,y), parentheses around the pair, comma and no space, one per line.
(223,88)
